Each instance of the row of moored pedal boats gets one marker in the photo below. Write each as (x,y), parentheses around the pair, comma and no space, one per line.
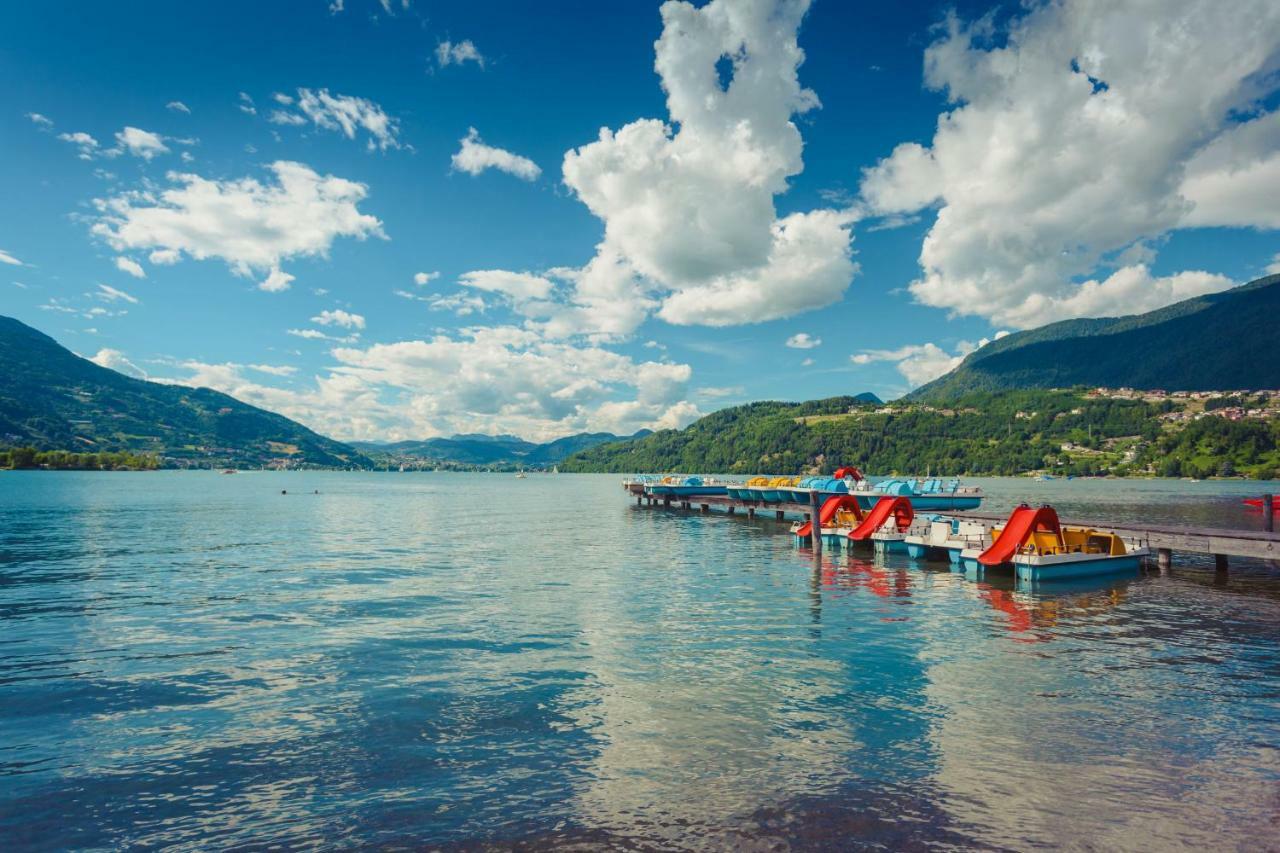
(1032,542)
(925,493)
(902,515)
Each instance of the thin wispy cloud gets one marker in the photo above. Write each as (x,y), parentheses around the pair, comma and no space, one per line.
(458,53)
(111,294)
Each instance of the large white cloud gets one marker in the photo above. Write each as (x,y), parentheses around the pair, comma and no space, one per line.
(691,231)
(688,207)
(1235,180)
(1068,145)
(249,224)
(486,379)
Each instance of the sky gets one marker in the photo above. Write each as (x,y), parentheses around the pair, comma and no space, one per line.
(395,219)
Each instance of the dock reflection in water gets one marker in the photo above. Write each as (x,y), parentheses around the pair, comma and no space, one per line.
(200,661)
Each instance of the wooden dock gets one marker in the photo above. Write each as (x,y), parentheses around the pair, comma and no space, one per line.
(1163,539)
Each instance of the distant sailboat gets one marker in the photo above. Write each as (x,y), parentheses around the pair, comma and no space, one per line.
(521,476)
(555,469)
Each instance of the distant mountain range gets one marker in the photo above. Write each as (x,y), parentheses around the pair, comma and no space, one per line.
(53,399)
(474,449)
(1220,342)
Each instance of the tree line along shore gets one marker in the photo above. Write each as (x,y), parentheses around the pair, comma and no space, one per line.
(1078,431)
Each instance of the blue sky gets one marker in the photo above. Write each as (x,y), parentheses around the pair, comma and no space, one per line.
(242,195)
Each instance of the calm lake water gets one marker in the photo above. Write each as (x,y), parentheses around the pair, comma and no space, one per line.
(196,660)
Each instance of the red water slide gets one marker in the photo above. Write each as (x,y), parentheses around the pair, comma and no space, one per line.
(848,471)
(899,507)
(828,511)
(1017,530)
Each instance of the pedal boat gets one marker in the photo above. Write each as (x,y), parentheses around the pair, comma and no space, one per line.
(925,495)
(1040,548)
(940,537)
(676,486)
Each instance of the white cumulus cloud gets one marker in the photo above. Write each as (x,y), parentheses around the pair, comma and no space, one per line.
(338,317)
(689,207)
(141,143)
(474,157)
(1077,133)
(423,278)
(803,340)
(115,360)
(87,144)
(277,281)
(520,286)
(1235,179)
(483,380)
(921,363)
(249,224)
(130,266)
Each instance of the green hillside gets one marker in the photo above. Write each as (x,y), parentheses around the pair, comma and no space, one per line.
(999,433)
(497,451)
(52,399)
(1223,341)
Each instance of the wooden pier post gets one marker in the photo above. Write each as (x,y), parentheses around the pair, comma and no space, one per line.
(1164,558)
(1268,513)
(684,504)
(1220,562)
(705,507)
(780,515)
(816,528)
(751,512)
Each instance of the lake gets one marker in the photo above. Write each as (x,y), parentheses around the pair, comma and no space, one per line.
(196,660)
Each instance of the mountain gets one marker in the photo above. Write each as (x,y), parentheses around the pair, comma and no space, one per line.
(53,399)
(463,449)
(1222,341)
(554,451)
(475,449)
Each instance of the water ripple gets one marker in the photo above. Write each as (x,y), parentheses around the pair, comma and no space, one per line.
(198,661)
